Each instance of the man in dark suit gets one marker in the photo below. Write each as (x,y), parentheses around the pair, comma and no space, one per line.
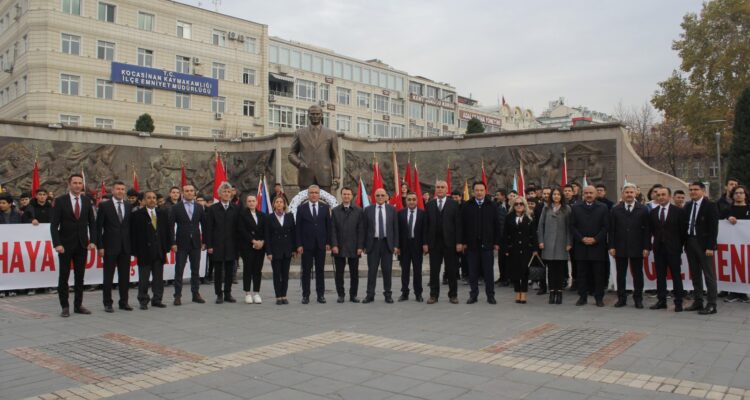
(347,243)
(313,239)
(629,243)
(589,226)
(443,241)
(703,229)
(151,241)
(381,242)
(411,224)
(221,241)
(189,219)
(73,231)
(481,235)
(669,226)
(113,233)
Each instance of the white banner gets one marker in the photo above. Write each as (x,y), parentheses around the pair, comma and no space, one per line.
(731,262)
(28,260)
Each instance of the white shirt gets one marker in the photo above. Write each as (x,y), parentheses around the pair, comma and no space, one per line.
(666,212)
(226,205)
(696,208)
(73,201)
(630,206)
(377,221)
(414,220)
(280,219)
(440,203)
(255,216)
(151,212)
(315,204)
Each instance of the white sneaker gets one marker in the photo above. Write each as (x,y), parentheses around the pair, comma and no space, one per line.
(257,299)
(249,299)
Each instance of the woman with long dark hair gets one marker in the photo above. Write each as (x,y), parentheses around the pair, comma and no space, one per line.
(555,242)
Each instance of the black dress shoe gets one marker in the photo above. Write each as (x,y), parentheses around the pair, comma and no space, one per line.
(491,300)
(219,300)
(230,299)
(678,308)
(581,301)
(65,312)
(696,306)
(419,299)
(82,310)
(367,299)
(403,297)
(659,305)
(552,297)
(354,299)
(126,307)
(710,309)
(321,300)
(305,300)
(340,299)
(452,300)
(600,303)
(159,305)
(471,300)
(109,309)
(621,303)
(284,301)
(638,304)
(558,298)
(144,307)
(279,302)
(389,299)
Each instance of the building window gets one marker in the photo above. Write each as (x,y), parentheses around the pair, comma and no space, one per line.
(104,89)
(381,103)
(433,131)
(182,100)
(24,84)
(296,59)
(104,123)
(328,67)
(416,131)
(280,116)
(218,104)
(363,127)
(343,123)
(146,21)
(415,111)
(342,95)
(415,88)
(248,108)
(70,120)
(218,70)
(397,107)
(380,129)
(182,64)
(144,95)
(218,133)
(300,118)
(25,43)
(105,50)
(449,117)
(71,7)
(184,30)
(248,76)
(251,45)
(324,88)
(71,44)
(397,131)
(432,114)
(713,170)
(305,90)
(145,57)
(107,12)
(180,130)
(363,99)
(70,84)
(432,92)
(307,62)
(219,38)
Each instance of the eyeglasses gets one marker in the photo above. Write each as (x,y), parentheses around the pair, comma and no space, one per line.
(518,204)
(379,195)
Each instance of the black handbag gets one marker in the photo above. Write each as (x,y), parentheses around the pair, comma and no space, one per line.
(537,269)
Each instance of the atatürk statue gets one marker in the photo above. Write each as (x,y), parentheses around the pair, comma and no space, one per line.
(315,153)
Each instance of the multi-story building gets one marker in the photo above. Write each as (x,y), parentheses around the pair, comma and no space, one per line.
(494,119)
(560,115)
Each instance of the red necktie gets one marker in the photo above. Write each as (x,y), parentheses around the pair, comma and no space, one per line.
(77,210)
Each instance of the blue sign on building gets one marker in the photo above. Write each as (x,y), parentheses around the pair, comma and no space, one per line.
(162,79)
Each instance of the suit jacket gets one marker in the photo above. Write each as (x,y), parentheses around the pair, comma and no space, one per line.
(347,230)
(222,231)
(391,227)
(249,230)
(316,156)
(590,221)
(448,224)
(629,232)
(520,243)
(187,236)
(407,245)
(66,230)
(706,222)
(113,235)
(281,241)
(313,233)
(150,245)
(671,235)
(481,227)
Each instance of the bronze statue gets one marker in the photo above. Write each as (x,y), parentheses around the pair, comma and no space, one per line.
(315,153)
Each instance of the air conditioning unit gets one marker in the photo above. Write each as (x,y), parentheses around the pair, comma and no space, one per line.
(232,35)
(196,61)
(271,98)
(322,103)
(399,96)
(283,70)
(236,139)
(218,116)
(240,38)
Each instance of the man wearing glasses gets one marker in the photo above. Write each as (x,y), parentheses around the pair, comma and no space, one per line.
(381,242)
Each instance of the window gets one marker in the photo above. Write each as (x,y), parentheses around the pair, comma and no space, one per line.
(397,107)
(415,88)
(348,71)
(182,100)
(70,120)
(24,84)
(432,92)
(433,131)
(357,75)
(145,21)
(25,43)
(104,89)
(327,67)
(107,12)
(713,170)
(397,131)
(144,95)
(251,45)
(184,30)
(431,113)
(180,130)
(182,64)
(365,76)
(280,116)
(363,126)
(300,118)
(218,70)
(416,130)
(145,57)
(317,65)
(381,103)
(70,84)
(449,117)
(343,123)
(342,95)
(248,76)
(248,108)
(218,104)
(324,88)
(415,111)
(380,129)
(219,38)
(305,90)
(104,123)
(273,54)
(218,133)
(338,66)
(363,99)
(283,56)
(71,44)
(296,59)
(71,7)
(105,50)
(307,62)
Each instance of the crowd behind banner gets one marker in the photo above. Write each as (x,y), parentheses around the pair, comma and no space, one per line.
(560,238)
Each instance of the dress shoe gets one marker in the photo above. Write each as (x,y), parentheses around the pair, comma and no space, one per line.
(621,302)
(389,299)
(696,306)
(552,296)
(432,300)
(710,309)
(230,299)
(340,299)
(471,300)
(638,304)
(367,299)
(279,302)
(452,300)
(109,309)
(403,297)
(219,300)
(558,298)
(599,303)
(198,299)
(284,301)
(144,307)
(159,305)
(177,301)
(126,307)
(659,305)
(65,312)
(354,299)
(82,310)
(419,298)
(678,308)
(491,300)
(581,301)
(321,300)
(305,300)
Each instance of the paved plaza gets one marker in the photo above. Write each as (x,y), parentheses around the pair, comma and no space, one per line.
(405,350)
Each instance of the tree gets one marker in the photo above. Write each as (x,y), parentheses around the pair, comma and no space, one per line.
(145,123)
(715,68)
(739,151)
(474,126)
(640,123)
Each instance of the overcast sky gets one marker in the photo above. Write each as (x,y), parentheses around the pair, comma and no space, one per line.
(594,53)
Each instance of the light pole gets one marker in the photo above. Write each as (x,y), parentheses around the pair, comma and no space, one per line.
(718,151)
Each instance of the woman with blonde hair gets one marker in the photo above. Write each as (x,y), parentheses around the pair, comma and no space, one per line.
(520,244)
(280,246)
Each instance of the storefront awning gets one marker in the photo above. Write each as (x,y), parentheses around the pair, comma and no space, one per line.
(283,78)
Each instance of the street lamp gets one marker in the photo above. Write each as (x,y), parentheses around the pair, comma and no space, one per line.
(718,150)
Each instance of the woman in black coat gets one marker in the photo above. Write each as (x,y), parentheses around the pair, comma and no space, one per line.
(280,247)
(252,236)
(520,244)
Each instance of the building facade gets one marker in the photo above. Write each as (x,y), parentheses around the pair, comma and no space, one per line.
(560,115)
(494,119)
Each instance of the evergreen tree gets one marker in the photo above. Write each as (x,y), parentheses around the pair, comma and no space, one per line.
(474,126)
(739,151)
(145,124)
